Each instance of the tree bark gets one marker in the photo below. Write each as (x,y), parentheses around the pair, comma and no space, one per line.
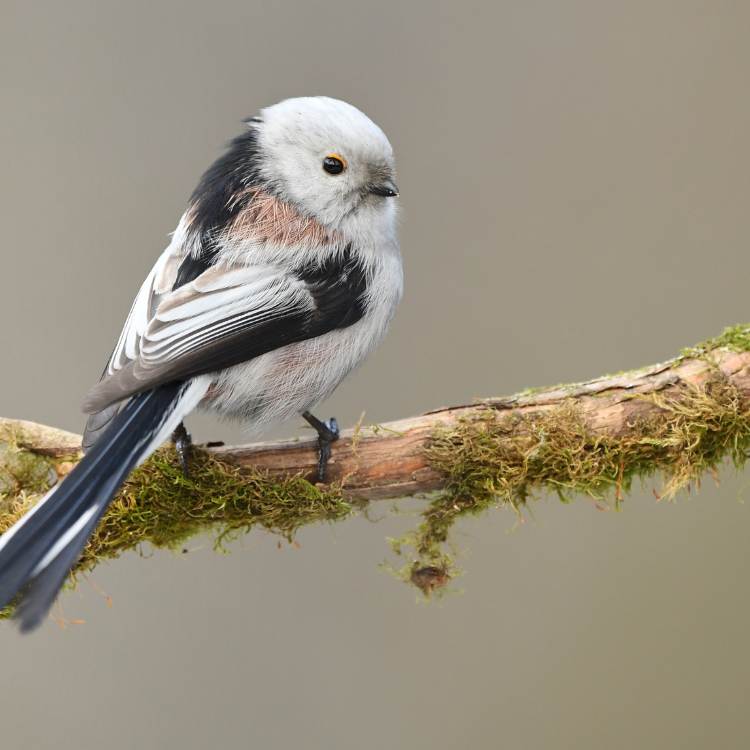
(390,460)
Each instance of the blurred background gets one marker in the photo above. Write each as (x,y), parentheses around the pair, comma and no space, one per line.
(575,181)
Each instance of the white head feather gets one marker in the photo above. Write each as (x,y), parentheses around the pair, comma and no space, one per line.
(296,135)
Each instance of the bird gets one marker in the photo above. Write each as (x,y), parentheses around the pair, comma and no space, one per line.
(282,275)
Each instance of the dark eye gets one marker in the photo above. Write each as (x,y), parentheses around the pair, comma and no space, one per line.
(334,164)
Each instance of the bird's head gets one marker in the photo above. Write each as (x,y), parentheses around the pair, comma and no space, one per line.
(328,158)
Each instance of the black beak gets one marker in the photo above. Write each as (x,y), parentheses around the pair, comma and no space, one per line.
(386,190)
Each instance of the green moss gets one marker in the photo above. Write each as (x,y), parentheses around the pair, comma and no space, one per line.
(159,506)
(21,470)
(23,476)
(495,458)
(735,338)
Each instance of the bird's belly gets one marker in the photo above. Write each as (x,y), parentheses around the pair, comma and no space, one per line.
(282,383)
(289,380)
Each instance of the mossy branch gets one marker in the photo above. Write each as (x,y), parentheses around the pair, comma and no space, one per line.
(680,418)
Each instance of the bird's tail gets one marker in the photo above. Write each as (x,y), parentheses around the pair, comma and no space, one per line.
(37,553)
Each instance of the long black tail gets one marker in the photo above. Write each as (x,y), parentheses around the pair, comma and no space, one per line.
(37,553)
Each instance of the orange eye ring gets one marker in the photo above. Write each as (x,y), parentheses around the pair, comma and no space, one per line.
(334,164)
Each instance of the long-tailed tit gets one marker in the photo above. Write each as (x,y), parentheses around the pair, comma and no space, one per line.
(282,275)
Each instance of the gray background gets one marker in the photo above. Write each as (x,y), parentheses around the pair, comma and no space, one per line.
(575,201)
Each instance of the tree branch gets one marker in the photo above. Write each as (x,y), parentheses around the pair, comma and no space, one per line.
(391,460)
(681,417)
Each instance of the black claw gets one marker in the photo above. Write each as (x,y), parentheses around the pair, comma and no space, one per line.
(183,444)
(328,432)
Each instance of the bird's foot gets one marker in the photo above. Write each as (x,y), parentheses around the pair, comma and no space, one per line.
(183,444)
(328,432)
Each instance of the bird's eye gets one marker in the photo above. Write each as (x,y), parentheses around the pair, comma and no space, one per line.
(334,164)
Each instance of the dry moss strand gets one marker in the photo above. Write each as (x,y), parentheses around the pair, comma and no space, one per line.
(499,453)
(494,458)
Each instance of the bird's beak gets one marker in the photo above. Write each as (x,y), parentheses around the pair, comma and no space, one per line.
(387,189)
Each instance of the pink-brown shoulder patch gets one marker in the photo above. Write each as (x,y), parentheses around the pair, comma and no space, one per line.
(269,219)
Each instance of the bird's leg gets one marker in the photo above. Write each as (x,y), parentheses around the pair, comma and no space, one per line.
(328,432)
(183,444)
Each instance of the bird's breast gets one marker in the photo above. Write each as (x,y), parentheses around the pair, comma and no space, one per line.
(286,381)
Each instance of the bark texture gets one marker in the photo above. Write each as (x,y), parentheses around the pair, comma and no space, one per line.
(390,460)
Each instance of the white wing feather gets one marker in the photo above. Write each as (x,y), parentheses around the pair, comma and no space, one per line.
(158,283)
(167,326)
(164,324)
(193,318)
